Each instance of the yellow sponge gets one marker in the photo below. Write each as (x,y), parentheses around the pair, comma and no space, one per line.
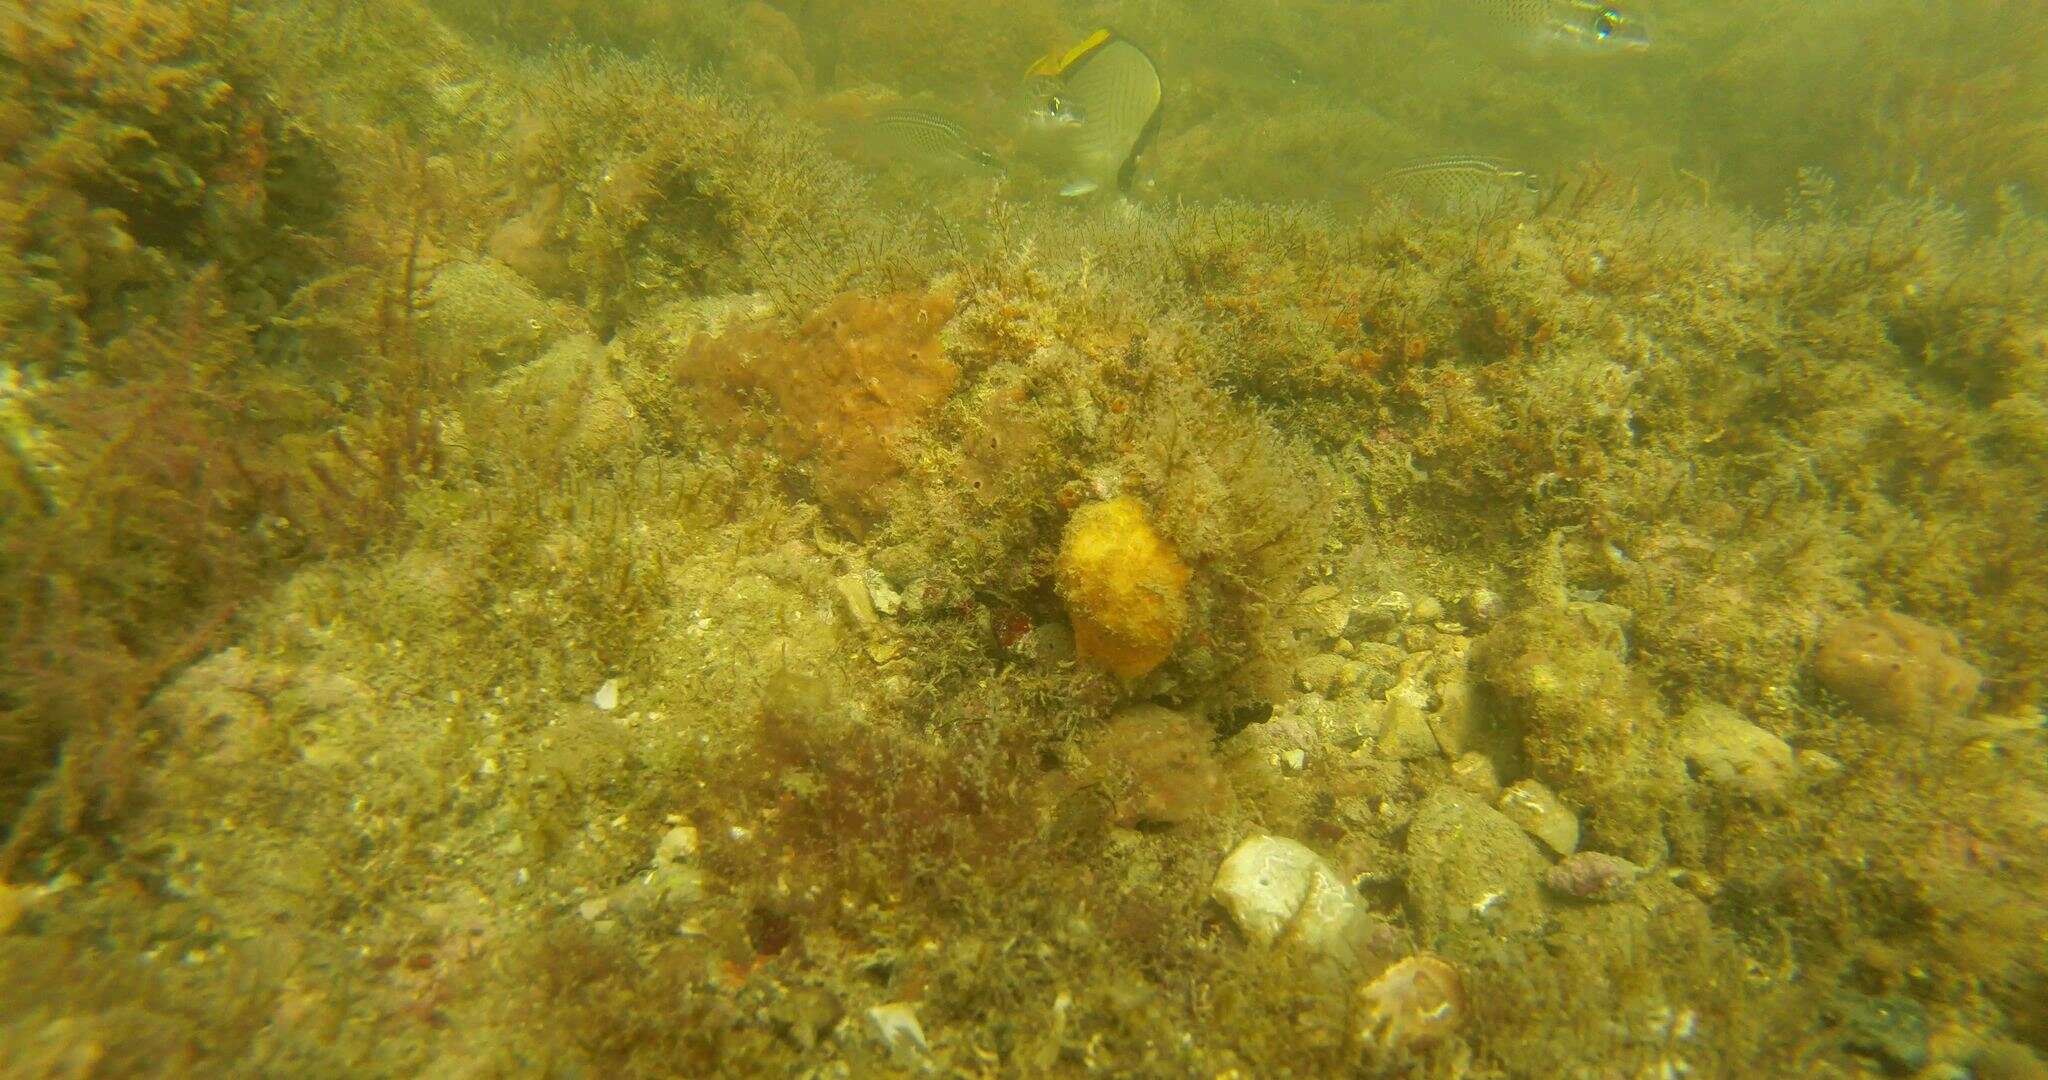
(1125,588)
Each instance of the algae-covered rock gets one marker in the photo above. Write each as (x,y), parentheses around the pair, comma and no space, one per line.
(1730,753)
(1536,808)
(1591,729)
(1471,870)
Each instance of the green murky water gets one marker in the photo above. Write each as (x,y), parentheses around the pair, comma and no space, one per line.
(1473,538)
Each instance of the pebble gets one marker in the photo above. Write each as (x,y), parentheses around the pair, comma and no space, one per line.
(1388,609)
(896,1025)
(853,592)
(1483,606)
(1325,673)
(1405,734)
(1892,1028)
(1277,889)
(1532,805)
(1734,755)
(885,599)
(1475,772)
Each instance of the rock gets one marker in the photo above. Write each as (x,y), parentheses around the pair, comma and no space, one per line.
(1892,1028)
(1457,719)
(1470,868)
(1483,606)
(1475,773)
(1891,667)
(1533,806)
(1387,610)
(1325,673)
(886,600)
(853,593)
(1325,612)
(895,1024)
(1412,1006)
(1278,890)
(1730,753)
(1404,728)
(1592,875)
(1427,609)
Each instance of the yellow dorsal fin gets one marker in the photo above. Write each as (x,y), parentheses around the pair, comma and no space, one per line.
(1054,65)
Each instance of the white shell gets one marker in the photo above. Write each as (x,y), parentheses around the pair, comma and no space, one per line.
(1276,889)
(607,696)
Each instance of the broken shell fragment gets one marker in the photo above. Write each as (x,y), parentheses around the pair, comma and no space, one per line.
(1277,889)
(1412,1006)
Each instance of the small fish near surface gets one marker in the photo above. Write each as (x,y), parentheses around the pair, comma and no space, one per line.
(1587,26)
(1462,185)
(1095,108)
(929,141)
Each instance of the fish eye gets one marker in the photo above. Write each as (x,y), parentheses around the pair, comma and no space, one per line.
(1607,22)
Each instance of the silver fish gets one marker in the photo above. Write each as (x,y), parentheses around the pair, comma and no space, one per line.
(1461,184)
(1588,25)
(929,139)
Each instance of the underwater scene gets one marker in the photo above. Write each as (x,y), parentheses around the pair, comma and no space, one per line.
(1227,539)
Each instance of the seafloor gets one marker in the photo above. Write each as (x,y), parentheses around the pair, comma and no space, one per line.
(526,551)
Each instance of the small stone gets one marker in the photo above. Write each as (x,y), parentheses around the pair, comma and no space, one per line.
(1427,609)
(885,599)
(1893,1028)
(1532,805)
(1815,765)
(1457,718)
(1734,755)
(853,592)
(1475,772)
(607,697)
(1482,606)
(1404,730)
(676,845)
(1324,673)
(1324,611)
(1295,759)
(1277,889)
(1388,609)
(896,1025)
(1592,875)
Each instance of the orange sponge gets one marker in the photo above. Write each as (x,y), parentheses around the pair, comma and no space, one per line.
(1125,588)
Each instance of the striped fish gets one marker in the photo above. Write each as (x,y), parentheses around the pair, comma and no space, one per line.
(1589,25)
(1100,101)
(1461,184)
(931,140)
